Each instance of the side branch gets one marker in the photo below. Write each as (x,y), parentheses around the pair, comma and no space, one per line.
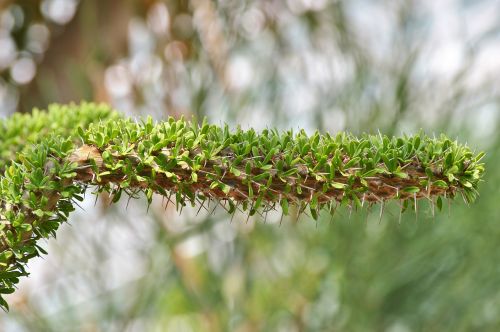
(237,185)
(248,170)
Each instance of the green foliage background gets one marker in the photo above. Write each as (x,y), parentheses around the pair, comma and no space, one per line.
(120,268)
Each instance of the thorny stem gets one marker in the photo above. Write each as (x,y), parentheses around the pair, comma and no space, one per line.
(191,163)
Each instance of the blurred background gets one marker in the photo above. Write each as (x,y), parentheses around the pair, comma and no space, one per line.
(355,65)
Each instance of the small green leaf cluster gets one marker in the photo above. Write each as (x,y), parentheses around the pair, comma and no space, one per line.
(193,163)
(19,131)
(36,191)
(36,196)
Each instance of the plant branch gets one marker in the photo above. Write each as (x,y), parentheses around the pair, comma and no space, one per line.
(249,171)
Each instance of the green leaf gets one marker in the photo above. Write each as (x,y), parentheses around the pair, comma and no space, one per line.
(401,175)
(235,171)
(416,143)
(352,162)
(248,168)
(250,191)
(225,188)
(411,189)
(194,177)
(314,213)
(6,290)
(3,304)
(39,213)
(168,174)
(452,170)
(449,160)
(116,196)
(338,185)
(314,202)
(284,206)
(440,183)
(466,184)
(479,156)
(439,203)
